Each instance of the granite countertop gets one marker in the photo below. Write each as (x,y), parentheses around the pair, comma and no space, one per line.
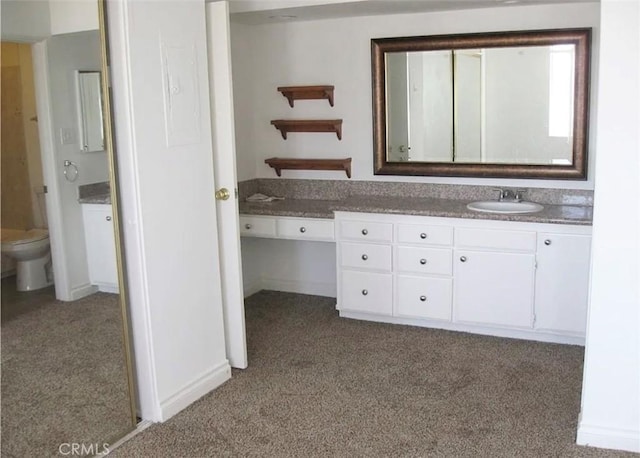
(96,199)
(95,193)
(449,208)
(305,208)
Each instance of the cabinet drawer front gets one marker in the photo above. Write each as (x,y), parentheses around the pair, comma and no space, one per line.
(366,231)
(496,239)
(423,234)
(298,228)
(425,260)
(257,227)
(423,297)
(365,256)
(366,292)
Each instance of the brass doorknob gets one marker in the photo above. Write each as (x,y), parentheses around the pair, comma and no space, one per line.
(222,194)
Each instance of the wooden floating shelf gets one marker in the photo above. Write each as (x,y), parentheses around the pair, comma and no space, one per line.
(280,164)
(293,93)
(308,125)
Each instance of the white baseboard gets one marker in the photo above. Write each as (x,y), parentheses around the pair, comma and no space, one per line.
(250,288)
(113,289)
(8,273)
(463,327)
(78,292)
(611,438)
(327,289)
(195,390)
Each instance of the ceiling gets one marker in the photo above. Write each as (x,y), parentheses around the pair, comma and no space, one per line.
(270,11)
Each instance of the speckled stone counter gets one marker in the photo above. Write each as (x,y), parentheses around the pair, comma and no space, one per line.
(449,208)
(304,208)
(95,193)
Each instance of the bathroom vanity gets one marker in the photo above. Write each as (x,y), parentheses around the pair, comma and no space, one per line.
(97,217)
(434,263)
(101,246)
(503,278)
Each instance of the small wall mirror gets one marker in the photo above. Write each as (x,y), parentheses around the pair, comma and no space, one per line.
(505,104)
(90,122)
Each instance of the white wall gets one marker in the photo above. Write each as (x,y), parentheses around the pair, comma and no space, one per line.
(610,415)
(69,16)
(244,99)
(67,53)
(165,165)
(289,265)
(35,20)
(337,51)
(25,20)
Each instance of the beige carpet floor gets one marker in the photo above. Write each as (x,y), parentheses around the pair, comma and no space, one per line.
(63,373)
(321,386)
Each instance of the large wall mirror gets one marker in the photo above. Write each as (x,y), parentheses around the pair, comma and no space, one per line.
(503,104)
(67,376)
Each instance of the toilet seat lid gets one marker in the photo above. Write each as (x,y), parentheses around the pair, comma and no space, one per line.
(17,236)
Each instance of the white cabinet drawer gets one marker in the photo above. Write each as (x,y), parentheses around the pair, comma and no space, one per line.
(305,228)
(424,297)
(425,260)
(425,234)
(366,231)
(496,239)
(367,292)
(257,226)
(365,256)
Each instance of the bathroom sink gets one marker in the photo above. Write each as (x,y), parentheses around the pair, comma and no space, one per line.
(495,206)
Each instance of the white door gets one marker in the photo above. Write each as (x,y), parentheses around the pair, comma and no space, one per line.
(166,182)
(224,155)
(562,282)
(494,288)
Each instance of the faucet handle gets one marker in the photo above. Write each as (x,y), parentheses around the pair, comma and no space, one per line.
(501,191)
(519,194)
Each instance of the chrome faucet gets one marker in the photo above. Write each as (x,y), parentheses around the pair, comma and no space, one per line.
(510,195)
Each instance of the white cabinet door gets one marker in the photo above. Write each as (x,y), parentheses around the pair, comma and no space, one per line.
(562,282)
(494,288)
(101,246)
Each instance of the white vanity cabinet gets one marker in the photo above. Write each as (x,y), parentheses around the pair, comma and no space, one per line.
(561,282)
(494,277)
(364,258)
(101,246)
(423,271)
(285,227)
(504,278)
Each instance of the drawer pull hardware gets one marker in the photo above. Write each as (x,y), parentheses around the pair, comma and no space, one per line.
(547,242)
(365,257)
(365,292)
(303,229)
(423,236)
(108,218)
(247,226)
(365,232)
(423,298)
(423,261)
(463,258)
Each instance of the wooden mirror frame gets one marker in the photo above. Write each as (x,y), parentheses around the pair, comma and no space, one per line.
(581,38)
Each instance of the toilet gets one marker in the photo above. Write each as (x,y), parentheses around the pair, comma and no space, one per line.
(30,250)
